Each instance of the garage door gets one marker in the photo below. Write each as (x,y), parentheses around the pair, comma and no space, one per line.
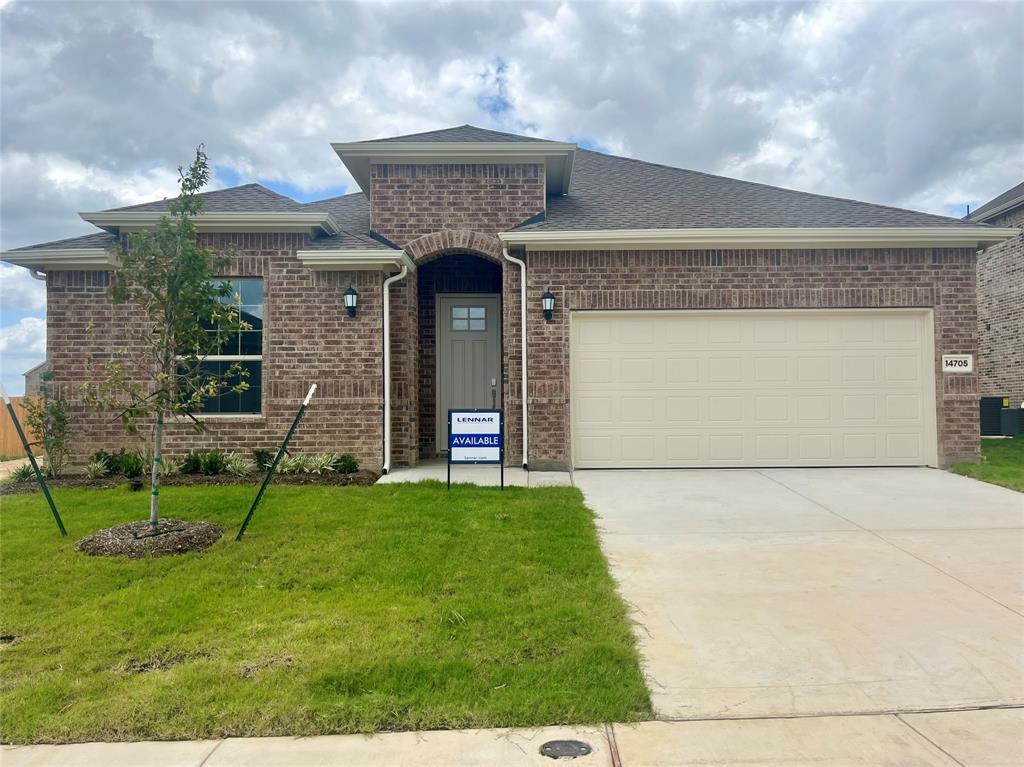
(753,388)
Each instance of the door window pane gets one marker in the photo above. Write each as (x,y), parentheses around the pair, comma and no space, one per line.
(469,318)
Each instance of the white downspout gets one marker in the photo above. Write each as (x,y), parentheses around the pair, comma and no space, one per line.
(387,364)
(37,275)
(522,345)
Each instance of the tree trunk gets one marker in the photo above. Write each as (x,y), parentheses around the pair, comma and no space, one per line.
(154,503)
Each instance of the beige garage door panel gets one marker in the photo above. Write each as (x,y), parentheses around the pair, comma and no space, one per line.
(753,388)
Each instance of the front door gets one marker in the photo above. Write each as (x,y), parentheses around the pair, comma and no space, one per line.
(468,356)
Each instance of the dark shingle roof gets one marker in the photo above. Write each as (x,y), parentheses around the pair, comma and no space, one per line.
(1015,193)
(86,242)
(611,192)
(462,133)
(352,212)
(244,199)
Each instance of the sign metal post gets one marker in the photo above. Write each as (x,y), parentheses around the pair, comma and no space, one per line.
(476,436)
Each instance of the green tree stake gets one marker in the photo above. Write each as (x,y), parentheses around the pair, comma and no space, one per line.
(32,459)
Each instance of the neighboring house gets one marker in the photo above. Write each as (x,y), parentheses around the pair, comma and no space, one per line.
(33,377)
(697,320)
(1001,300)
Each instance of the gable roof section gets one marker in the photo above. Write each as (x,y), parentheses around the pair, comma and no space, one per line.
(467,134)
(88,241)
(244,198)
(352,212)
(1007,201)
(91,251)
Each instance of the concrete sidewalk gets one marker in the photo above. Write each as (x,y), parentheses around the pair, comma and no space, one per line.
(975,738)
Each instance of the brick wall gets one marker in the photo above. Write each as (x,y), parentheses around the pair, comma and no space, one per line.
(1001,314)
(308,338)
(408,201)
(942,279)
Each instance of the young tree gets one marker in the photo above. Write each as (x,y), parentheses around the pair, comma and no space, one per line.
(187,314)
(47,417)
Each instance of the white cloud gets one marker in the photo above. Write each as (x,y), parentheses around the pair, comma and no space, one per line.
(19,291)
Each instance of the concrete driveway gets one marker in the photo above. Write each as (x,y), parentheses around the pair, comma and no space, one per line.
(801,592)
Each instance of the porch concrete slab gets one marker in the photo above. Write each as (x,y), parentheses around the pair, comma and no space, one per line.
(143,754)
(699,501)
(906,499)
(991,561)
(467,748)
(768,619)
(986,738)
(844,741)
(484,475)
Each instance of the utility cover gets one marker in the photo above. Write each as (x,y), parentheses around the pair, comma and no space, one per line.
(565,749)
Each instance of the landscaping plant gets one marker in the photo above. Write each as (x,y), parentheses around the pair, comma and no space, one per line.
(171,283)
(47,416)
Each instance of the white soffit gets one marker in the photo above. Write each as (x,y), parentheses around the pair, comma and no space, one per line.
(557,156)
(759,238)
(355,260)
(87,259)
(220,221)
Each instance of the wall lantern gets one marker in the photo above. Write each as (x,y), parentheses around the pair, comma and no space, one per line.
(351,301)
(547,302)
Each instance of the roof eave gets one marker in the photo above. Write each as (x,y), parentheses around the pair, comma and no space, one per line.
(981,215)
(557,156)
(220,221)
(355,260)
(796,237)
(85,259)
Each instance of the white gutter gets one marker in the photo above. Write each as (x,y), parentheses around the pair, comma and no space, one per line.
(40,260)
(220,221)
(387,361)
(522,345)
(762,237)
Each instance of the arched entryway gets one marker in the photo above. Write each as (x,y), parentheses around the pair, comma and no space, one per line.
(459,359)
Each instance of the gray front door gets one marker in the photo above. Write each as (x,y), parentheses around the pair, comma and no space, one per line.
(468,356)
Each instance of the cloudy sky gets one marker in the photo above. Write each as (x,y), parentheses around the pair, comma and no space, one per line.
(918,105)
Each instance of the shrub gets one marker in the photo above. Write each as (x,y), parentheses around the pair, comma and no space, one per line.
(169,467)
(290,464)
(47,416)
(345,464)
(97,469)
(238,464)
(130,465)
(212,462)
(319,463)
(191,463)
(263,458)
(101,455)
(23,473)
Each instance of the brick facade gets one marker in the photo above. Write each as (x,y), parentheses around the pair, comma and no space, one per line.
(446,218)
(1001,313)
(747,279)
(308,338)
(408,201)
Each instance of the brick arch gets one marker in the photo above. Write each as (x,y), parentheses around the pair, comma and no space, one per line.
(438,244)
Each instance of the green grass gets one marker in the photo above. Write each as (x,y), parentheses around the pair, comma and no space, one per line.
(1002,463)
(343,610)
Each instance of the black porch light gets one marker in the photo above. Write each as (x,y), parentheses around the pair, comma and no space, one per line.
(351,301)
(547,303)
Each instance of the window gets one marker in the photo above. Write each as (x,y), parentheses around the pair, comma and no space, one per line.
(469,318)
(244,348)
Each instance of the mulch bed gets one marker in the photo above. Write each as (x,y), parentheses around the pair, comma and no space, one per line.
(362,477)
(136,540)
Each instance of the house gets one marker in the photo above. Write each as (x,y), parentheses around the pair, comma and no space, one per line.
(693,320)
(1001,300)
(33,378)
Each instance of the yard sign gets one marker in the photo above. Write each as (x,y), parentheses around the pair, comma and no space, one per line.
(476,436)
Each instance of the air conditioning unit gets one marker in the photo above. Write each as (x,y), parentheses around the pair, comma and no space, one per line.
(1012,421)
(991,420)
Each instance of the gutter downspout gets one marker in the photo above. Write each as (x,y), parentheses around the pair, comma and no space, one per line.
(522,345)
(387,364)
(37,275)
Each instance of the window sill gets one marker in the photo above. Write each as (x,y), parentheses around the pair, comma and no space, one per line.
(222,417)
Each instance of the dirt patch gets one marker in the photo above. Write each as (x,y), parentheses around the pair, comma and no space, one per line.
(158,662)
(248,669)
(136,540)
(362,477)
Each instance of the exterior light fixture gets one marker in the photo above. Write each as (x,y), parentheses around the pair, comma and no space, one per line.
(351,301)
(547,302)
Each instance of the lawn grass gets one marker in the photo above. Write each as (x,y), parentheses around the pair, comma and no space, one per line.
(1002,463)
(351,609)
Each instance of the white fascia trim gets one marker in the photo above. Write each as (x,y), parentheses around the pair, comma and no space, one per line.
(802,237)
(355,260)
(975,218)
(89,259)
(221,221)
(359,156)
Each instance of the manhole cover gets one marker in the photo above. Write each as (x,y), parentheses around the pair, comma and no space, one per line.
(565,749)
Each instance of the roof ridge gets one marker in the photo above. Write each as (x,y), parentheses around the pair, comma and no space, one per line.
(763,185)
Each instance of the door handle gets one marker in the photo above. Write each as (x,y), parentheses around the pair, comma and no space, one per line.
(494,393)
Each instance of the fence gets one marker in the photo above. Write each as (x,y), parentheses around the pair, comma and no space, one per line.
(9,442)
